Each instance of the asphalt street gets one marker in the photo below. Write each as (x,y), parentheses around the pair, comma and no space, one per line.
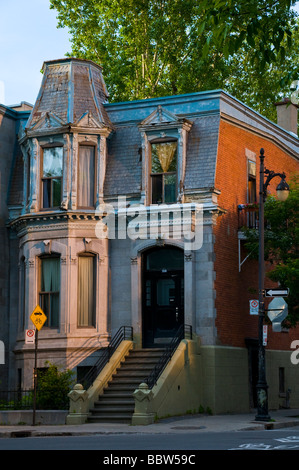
(281,439)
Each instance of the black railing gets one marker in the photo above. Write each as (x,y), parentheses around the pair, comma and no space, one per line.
(247,218)
(124,333)
(184,331)
(46,399)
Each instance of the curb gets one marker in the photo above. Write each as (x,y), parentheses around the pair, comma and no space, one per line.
(258,426)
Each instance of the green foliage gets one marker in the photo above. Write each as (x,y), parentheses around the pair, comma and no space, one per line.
(53,388)
(282,245)
(152,48)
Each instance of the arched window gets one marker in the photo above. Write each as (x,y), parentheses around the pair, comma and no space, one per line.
(86,290)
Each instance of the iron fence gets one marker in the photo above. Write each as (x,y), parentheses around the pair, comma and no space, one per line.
(46,399)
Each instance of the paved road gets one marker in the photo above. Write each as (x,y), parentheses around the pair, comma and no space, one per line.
(286,439)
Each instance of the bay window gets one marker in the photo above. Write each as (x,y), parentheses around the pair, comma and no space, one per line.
(86,290)
(50,289)
(86,176)
(52,177)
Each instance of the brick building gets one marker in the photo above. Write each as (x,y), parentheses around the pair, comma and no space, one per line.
(75,164)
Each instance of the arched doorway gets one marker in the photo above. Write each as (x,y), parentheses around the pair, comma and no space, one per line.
(162,295)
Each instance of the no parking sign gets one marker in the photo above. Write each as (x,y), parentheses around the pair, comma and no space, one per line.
(254,307)
(29,337)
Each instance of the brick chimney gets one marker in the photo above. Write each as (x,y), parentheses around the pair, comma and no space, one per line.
(287,115)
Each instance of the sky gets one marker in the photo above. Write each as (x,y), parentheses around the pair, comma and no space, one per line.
(28,37)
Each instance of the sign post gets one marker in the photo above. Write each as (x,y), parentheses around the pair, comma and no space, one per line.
(38,318)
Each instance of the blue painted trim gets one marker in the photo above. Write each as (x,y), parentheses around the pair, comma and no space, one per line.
(184,105)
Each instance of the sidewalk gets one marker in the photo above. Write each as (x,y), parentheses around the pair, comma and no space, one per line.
(196,423)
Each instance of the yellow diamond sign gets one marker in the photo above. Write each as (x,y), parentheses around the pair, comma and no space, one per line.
(38,317)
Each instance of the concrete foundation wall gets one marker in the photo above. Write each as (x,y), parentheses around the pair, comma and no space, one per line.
(16,417)
(225,379)
(274,361)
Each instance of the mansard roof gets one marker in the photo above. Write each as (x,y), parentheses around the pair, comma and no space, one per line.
(71,89)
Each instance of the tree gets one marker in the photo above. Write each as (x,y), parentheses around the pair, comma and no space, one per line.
(282,246)
(53,388)
(154,48)
(260,90)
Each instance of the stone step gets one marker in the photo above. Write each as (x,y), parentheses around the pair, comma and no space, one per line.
(113,409)
(114,401)
(142,374)
(116,404)
(126,418)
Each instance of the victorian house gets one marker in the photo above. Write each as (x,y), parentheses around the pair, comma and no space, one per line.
(126,215)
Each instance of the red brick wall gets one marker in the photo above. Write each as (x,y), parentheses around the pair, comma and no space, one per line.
(234,289)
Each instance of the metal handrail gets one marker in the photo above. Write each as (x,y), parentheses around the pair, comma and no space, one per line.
(124,333)
(182,332)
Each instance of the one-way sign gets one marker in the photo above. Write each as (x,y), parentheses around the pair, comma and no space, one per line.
(276,292)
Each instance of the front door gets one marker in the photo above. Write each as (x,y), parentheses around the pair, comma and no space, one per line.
(163,295)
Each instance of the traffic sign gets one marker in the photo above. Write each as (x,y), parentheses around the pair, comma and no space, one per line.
(277,312)
(265,335)
(38,317)
(30,337)
(276,292)
(254,307)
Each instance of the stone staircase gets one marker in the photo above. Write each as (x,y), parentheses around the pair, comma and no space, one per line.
(116,404)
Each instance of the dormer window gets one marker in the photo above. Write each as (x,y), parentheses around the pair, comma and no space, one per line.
(164,172)
(52,177)
(164,147)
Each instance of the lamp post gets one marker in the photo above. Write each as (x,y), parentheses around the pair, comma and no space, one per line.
(282,194)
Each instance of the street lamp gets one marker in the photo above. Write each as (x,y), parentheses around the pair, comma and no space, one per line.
(282,194)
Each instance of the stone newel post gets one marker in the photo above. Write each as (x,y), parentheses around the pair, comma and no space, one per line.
(143,414)
(79,405)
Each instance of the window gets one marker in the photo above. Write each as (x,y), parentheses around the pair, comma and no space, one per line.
(164,172)
(52,177)
(28,177)
(86,176)
(49,289)
(22,278)
(86,291)
(281,376)
(251,181)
